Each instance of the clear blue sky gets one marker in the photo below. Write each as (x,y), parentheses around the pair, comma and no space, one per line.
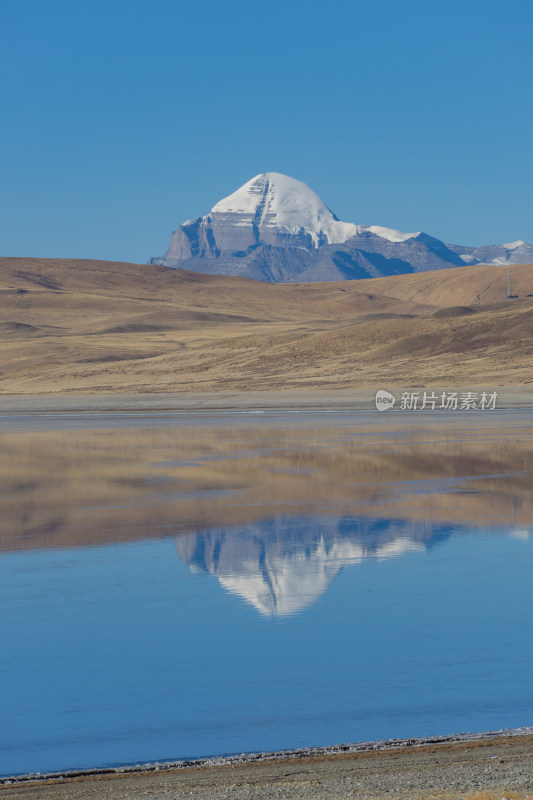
(119,120)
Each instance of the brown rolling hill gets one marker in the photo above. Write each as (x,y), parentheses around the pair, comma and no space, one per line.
(96,326)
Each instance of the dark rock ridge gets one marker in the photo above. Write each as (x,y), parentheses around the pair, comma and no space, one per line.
(276,229)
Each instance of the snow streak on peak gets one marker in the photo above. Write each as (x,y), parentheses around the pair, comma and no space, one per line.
(390,234)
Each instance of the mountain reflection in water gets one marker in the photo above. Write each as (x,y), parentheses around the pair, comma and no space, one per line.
(282,565)
(115,652)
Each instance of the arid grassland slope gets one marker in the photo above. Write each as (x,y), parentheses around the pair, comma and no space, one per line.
(97,326)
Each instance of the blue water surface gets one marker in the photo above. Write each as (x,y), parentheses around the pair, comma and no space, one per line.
(153,650)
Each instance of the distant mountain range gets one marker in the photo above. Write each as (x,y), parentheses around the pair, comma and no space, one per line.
(276,229)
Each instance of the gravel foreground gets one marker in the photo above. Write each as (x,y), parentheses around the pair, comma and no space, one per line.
(490,766)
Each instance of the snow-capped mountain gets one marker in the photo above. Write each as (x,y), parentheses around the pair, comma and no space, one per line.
(499,254)
(275,228)
(274,208)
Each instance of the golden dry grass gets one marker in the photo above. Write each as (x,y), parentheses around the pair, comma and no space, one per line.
(92,326)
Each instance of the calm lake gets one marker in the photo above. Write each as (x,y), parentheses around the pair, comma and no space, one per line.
(184,585)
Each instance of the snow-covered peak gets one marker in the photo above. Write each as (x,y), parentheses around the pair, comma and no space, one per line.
(291,200)
(276,201)
(514,245)
(279,190)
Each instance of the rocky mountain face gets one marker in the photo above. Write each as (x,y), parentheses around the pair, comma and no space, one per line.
(275,228)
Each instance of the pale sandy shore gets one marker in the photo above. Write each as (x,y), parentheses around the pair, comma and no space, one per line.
(518,397)
(490,766)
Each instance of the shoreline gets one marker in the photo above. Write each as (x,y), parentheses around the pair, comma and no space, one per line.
(463,765)
(269,755)
(379,745)
(509,397)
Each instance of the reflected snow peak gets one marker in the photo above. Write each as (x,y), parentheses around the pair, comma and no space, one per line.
(282,565)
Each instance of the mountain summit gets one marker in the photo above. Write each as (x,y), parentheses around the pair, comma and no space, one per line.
(272,206)
(276,228)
